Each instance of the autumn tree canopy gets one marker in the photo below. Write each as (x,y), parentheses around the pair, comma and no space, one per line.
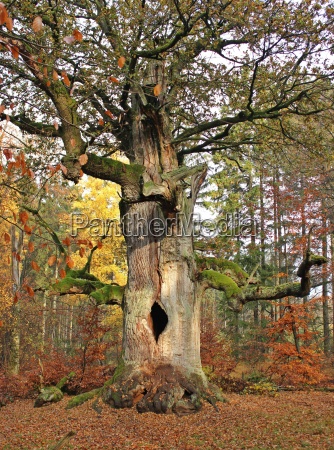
(163,83)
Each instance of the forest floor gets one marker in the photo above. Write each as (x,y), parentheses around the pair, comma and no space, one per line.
(290,420)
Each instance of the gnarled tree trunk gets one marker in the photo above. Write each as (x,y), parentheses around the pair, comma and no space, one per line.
(161,368)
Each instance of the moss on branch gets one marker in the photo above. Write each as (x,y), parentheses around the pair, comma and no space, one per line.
(80,282)
(229,268)
(234,282)
(126,175)
(221,282)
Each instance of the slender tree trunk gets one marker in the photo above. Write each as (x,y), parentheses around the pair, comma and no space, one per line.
(14,356)
(325,308)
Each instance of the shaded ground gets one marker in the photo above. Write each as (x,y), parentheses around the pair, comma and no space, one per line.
(292,420)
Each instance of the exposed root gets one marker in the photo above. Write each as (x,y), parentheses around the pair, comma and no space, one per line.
(165,391)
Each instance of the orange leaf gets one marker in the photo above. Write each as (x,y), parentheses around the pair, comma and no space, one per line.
(15,51)
(113,80)
(37,24)
(9,24)
(64,169)
(82,252)
(99,245)
(72,142)
(24,216)
(52,260)
(83,159)
(31,246)
(121,62)
(35,266)
(62,273)
(101,122)
(65,78)
(67,241)
(1,323)
(17,257)
(82,242)
(81,173)
(55,76)
(69,262)
(30,291)
(77,35)
(7,238)
(157,90)
(16,298)
(56,125)
(8,153)
(109,113)
(27,229)
(3,14)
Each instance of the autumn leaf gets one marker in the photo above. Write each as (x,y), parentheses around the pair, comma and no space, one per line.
(1,323)
(35,266)
(157,90)
(83,159)
(30,290)
(37,24)
(24,216)
(3,14)
(82,242)
(16,298)
(9,24)
(69,262)
(99,245)
(15,51)
(65,78)
(66,241)
(82,252)
(52,259)
(121,62)
(101,122)
(77,35)
(113,80)
(55,75)
(8,153)
(62,273)
(63,169)
(109,113)
(27,229)
(31,246)
(56,125)
(72,142)
(6,238)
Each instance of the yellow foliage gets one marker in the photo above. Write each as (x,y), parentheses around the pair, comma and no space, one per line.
(97,206)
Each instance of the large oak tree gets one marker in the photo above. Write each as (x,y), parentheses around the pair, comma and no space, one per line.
(160,82)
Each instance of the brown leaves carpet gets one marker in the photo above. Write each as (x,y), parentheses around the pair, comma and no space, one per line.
(291,420)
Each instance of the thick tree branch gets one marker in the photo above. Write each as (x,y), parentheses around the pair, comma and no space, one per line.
(235,283)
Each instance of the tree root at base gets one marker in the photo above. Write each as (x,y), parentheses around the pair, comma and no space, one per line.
(165,391)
